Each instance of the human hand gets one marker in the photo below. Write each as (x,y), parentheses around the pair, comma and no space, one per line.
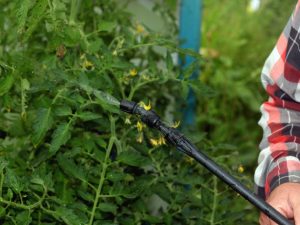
(286,199)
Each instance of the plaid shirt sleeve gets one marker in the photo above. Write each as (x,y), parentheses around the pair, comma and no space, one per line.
(279,158)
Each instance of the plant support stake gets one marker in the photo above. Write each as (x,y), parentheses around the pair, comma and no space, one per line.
(177,139)
(190,38)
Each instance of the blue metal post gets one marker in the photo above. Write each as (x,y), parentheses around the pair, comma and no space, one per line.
(189,34)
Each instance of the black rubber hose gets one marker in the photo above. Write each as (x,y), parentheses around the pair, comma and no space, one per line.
(177,139)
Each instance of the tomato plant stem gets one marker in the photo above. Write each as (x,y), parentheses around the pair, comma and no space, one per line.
(214,203)
(3,64)
(104,167)
(50,212)
(138,86)
(39,218)
(74,10)
(1,183)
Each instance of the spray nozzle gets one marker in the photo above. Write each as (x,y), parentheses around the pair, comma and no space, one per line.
(149,117)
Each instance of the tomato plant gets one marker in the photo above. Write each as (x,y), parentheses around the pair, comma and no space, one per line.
(67,154)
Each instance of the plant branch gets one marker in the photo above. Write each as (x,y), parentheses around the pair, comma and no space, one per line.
(75,4)
(27,207)
(104,167)
(214,203)
(1,183)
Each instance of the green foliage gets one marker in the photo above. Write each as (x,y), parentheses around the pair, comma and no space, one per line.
(6,83)
(36,15)
(60,136)
(42,124)
(236,41)
(235,49)
(68,156)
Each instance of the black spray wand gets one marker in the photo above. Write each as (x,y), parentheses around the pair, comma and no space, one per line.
(174,137)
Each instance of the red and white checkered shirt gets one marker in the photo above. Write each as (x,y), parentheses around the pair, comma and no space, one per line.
(279,159)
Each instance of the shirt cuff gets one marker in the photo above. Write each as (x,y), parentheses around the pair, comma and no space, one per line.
(283,170)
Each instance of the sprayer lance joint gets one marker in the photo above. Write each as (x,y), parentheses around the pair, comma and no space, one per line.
(149,117)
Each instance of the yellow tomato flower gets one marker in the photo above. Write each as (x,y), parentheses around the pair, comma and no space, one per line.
(139,138)
(139,29)
(176,124)
(158,142)
(88,65)
(241,169)
(127,121)
(82,56)
(139,126)
(189,160)
(146,107)
(154,142)
(133,72)
(161,140)
(115,53)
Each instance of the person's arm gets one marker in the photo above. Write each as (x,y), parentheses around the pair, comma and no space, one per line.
(279,159)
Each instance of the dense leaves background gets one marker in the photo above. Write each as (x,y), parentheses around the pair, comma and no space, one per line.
(69,157)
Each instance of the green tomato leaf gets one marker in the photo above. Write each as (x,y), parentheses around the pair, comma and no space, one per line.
(86,195)
(13,181)
(63,111)
(133,190)
(69,216)
(24,218)
(37,180)
(3,164)
(162,191)
(101,142)
(72,36)
(119,176)
(86,116)
(60,137)
(9,194)
(37,14)
(22,9)
(6,83)
(95,46)
(169,61)
(201,89)
(42,124)
(189,70)
(70,168)
(107,26)
(107,207)
(2,211)
(133,158)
